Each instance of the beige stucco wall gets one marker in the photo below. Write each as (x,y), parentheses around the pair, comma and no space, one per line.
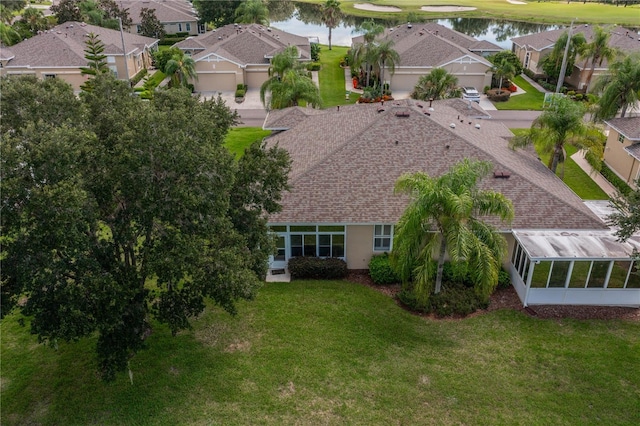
(624,165)
(473,74)
(534,58)
(359,246)
(174,27)
(70,75)
(217,75)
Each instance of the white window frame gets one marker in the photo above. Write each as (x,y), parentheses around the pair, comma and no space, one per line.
(620,138)
(381,236)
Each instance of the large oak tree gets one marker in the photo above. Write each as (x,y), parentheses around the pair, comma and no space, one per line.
(117,213)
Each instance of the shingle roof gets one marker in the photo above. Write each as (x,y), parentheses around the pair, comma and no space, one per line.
(627,126)
(346,162)
(622,38)
(245,44)
(430,44)
(634,150)
(63,46)
(166,12)
(5,53)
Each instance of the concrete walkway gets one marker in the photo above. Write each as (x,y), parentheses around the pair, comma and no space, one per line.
(533,83)
(604,184)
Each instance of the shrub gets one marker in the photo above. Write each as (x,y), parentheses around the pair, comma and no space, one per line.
(529,73)
(408,298)
(314,66)
(486,89)
(504,279)
(317,268)
(497,95)
(240,93)
(380,270)
(456,299)
(191,87)
(241,87)
(315,52)
(614,179)
(136,78)
(170,41)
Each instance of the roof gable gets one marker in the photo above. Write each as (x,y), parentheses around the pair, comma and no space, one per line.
(629,127)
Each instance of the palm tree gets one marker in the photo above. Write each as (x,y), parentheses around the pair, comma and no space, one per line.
(331,16)
(386,57)
(364,53)
(444,215)
(503,69)
(552,63)
(563,124)
(6,15)
(253,12)
(181,68)
(597,51)
(620,89)
(35,19)
(288,82)
(435,85)
(8,35)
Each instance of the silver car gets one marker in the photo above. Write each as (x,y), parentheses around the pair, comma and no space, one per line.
(471,94)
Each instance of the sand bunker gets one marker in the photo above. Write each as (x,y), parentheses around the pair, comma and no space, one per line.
(447,8)
(373,8)
(516,2)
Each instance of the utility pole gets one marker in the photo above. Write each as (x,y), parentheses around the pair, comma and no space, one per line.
(124,52)
(563,69)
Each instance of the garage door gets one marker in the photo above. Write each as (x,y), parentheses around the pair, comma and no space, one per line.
(216,82)
(256,78)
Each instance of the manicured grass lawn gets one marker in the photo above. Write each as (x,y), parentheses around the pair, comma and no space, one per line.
(337,353)
(240,138)
(533,11)
(532,100)
(331,76)
(574,176)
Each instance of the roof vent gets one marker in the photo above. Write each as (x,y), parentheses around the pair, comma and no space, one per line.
(452,125)
(380,109)
(501,175)
(409,25)
(402,114)
(431,109)
(478,126)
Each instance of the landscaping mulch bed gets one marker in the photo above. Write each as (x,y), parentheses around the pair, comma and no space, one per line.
(508,299)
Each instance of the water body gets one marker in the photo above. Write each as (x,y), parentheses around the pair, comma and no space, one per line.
(305,20)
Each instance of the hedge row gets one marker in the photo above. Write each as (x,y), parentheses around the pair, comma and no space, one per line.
(317,268)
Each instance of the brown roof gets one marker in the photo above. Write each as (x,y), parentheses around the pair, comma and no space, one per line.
(245,44)
(346,162)
(634,150)
(628,41)
(166,12)
(430,44)
(627,126)
(63,46)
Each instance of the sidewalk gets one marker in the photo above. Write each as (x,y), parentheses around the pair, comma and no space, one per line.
(533,83)
(604,184)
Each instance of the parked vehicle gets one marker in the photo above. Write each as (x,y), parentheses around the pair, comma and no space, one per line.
(471,94)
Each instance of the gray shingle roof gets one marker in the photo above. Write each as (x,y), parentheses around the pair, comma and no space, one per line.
(622,38)
(166,12)
(63,46)
(245,44)
(346,162)
(634,150)
(627,126)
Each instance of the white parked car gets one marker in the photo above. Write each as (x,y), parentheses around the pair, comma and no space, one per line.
(471,94)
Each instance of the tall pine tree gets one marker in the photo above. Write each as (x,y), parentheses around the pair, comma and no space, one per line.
(96,61)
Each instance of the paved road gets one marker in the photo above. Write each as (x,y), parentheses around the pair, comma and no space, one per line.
(511,119)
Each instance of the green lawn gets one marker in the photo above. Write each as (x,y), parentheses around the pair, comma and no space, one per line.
(533,11)
(532,100)
(336,353)
(240,138)
(574,176)
(331,76)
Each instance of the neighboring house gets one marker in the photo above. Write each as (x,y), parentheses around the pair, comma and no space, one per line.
(346,160)
(622,151)
(238,54)
(177,16)
(59,53)
(425,46)
(532,48)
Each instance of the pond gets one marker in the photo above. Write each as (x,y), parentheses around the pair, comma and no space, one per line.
(305,19)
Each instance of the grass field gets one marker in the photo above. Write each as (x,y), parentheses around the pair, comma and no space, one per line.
(331,76)
(532,100)
(574,176)
(532,11)
(336,353)
(240,138)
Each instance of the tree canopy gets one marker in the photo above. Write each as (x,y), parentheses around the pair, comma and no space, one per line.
(619,89)
(331,16)
(438,84)
(219,13)
(445,214)
(118,212)
(626,218)
(252,12)
(150,25)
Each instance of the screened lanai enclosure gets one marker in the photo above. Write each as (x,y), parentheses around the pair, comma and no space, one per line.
(575,268)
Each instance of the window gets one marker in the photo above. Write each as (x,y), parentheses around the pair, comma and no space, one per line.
(49,76)
(382,235)
(188,26)
(621,138)
(111,59)
(312,240)
(180,28)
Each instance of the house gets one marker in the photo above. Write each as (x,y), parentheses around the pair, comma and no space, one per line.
(346,160)
(59,53)
(622,150)
(532,48)
(425,46)
(177,16)
(238,54)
